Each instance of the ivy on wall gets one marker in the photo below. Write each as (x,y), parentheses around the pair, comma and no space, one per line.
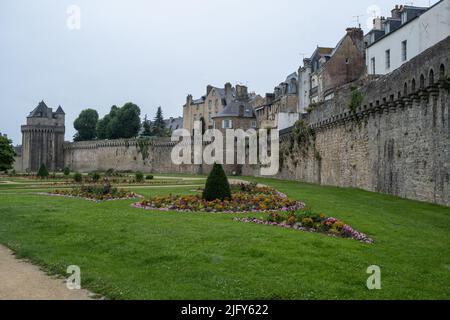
(300,141)
(355,100)
(144,147)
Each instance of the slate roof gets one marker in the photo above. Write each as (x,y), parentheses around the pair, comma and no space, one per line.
(232,109)
(60,111)
(40,111)
(174,123)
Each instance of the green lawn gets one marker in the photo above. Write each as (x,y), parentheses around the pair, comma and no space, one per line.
(127,253)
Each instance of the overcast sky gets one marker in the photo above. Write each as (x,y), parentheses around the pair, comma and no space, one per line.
(156,52)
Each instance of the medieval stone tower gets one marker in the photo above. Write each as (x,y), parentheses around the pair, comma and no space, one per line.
(43,139)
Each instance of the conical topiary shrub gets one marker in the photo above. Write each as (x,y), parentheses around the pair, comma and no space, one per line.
(217,186)
(43,172)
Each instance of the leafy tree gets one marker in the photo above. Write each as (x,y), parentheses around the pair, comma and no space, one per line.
(147,126)
(159,126)
(86,125)
(217,186)
(127,122)
(43,172)
(7,154)
(104,130)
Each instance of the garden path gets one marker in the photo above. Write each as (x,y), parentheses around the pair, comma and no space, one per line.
(21,280)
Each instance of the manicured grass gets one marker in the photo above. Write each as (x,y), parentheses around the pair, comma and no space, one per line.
(127,253)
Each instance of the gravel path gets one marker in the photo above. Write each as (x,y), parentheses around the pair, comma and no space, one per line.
(21,280)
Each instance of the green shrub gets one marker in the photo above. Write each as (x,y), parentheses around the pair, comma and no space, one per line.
(43,172)
(217,186)
(109,172)
(139,177)
(149,177)
(66,171)
(95,176)
(78,177)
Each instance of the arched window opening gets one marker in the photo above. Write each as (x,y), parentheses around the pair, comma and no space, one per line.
(431,78)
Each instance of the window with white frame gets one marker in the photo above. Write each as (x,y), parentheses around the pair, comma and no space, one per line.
(388,59)
(254,124)
(227,124)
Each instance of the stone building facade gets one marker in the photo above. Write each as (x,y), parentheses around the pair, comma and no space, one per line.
(330,68)
(279,109)
(43,139)
(238,113)
(206,107)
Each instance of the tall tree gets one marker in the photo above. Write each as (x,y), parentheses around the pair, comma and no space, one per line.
(159,126)
(104,130)
(127,122)
(7,154)
(147,127)
(86,125)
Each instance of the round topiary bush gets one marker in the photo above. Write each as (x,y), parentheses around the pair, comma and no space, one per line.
(78,177)
(43,172)
(139,177)
(217,186)
(149,177)
(66,171)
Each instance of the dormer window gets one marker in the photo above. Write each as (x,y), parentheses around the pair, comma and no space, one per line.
(387,28)
(404,17)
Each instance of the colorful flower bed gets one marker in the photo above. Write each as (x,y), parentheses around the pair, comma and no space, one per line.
(305,220)
(255,199)
(96,193)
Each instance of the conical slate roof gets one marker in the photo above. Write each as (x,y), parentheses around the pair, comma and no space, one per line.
(60,110)
(40,111)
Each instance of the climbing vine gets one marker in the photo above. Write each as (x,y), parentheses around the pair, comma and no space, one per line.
(356,100)
(144,147)
(300,141)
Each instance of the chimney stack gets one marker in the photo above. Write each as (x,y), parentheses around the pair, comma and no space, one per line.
(395,13)
(189,100)
(228,92)
(241,91)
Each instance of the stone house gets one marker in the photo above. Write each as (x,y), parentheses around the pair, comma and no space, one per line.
(238,113)
(206,107)
(279,110)
(309,76)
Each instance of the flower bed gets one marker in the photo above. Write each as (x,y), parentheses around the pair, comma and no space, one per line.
(308,221)
(96,193)
(259,199)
